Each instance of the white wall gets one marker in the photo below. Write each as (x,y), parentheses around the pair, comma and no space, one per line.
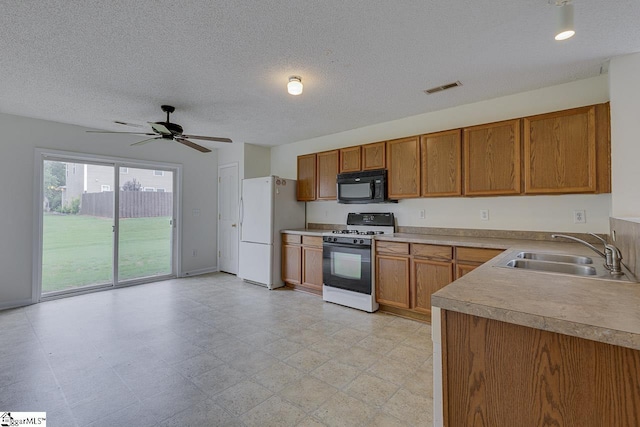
(624,84)
(20,135)
(540,213)
(257,161)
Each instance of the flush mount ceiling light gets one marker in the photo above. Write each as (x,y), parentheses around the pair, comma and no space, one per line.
(294,87)
(564,20)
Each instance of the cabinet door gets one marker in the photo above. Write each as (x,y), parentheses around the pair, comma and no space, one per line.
(428,277)
(560,152)
(327,164)
(373,156)
(492,159)
(312,267)
(392,280)
(441,164)
(462,269)
(291,263)
(403,164)
(306,177)
(350,159)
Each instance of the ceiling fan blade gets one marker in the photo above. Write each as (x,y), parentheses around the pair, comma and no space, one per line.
(144,141)
(192,145)
(160,128)
(207,138)
(109,131)
(118,122)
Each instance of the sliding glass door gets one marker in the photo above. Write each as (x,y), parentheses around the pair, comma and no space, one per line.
(77,225)
(99,228)
(145,239)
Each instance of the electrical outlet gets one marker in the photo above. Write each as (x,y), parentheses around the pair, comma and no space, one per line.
(422,214)
(484,214)
(579,216)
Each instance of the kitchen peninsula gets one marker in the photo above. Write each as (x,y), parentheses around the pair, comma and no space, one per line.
(530,348)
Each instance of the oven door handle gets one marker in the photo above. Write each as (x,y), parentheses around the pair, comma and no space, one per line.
(345,245)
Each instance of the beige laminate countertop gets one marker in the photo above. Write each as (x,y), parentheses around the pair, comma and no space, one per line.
(305,231)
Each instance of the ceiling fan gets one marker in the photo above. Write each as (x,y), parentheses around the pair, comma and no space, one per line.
(168,130)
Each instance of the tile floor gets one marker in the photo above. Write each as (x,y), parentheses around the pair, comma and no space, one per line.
(213,351)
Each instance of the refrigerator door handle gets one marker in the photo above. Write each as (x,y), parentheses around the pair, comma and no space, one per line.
(241,212)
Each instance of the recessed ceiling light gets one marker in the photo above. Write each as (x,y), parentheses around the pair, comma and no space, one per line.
(294,87)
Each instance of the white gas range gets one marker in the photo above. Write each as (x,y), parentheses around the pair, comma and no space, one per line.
(348,269)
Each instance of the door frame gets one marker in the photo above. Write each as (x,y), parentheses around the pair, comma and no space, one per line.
(237,208)
(40,155)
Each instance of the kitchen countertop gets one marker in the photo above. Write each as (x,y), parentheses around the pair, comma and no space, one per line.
(305,231)
(596,309)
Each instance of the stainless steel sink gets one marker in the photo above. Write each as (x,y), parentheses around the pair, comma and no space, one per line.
(553,267)
(543,256)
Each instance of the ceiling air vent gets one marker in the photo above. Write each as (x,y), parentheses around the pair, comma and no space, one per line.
(441,88)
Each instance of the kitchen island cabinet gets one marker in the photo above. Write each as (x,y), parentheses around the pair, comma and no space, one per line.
(536,378)
(521,347)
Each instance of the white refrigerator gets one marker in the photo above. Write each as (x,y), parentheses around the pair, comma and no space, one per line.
(267,206)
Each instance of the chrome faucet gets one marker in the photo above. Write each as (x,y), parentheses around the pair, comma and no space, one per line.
(611,254)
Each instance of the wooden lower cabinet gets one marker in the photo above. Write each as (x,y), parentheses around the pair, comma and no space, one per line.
(302,262)
(467,259)
(501,374)
(312,268)
(407,274)
(428,277)
(392,280)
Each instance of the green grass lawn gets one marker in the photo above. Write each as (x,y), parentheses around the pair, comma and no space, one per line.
(78,250)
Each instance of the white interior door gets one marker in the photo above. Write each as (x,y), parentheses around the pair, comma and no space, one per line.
(228,218)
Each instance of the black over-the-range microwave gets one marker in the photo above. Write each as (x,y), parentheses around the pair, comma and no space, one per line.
(363,187)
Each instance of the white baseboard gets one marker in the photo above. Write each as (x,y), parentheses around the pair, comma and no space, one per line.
(199,272)
(13,304)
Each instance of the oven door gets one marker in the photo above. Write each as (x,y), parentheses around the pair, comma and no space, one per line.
(347,266)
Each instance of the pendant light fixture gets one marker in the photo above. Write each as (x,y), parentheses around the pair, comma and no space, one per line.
(564,27)
(294,87)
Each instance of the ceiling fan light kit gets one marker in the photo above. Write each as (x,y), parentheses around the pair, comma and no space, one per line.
(294,87)
(170,131)
(564,20)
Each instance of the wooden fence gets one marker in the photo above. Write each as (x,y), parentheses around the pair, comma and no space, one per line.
(133,204)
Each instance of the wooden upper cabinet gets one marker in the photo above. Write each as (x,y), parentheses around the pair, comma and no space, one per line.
(306,177)
(327,166)
(492,159)
(441,164)
(374,156)
(403,164)
(350,159)
(560,152)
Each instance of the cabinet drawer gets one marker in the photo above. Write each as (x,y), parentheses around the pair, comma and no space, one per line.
(476,255)
(312,240)
(432,251)
(291,238)
(393,247)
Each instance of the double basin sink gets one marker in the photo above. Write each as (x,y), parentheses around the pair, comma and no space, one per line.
(574,265)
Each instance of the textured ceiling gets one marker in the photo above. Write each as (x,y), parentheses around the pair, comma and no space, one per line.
(224,65)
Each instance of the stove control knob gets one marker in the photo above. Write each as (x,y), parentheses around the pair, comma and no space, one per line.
(361,241)
(335,239)
(355,240)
